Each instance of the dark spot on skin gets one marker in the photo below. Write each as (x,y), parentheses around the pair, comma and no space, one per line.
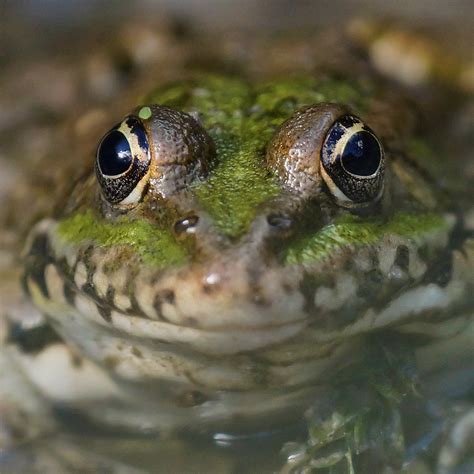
(307,288)
(105,312)
(168,296)
(259,371)
(36,273)
(186,225)
(258,299)
(208,289)
(161,297)
(76,361)
(84,256)
(375,276)
(440,272)
(40,246)
(110,294)
(402,257)
(137,352)
(111,362)
(24,284)
(157,303)
(348,265)
(191,399)
(371,283)
(32,340)
(37,260)
(89,289)
(374,261)
(192,322)
(63,268)
(135,309)
(69,293)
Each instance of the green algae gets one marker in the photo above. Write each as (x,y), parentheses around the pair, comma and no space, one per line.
(239,183)
(287,95)
(234,192)
(155,247)
(144,113)
(241,120)
(351,230)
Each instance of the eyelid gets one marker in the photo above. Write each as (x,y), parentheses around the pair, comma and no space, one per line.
(293,154)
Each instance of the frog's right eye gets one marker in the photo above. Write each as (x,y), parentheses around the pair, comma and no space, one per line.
(122,162)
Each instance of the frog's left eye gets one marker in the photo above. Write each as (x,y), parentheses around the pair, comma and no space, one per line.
(325,144)
(352,162)
(122,162)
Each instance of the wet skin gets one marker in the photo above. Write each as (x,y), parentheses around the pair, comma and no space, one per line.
(233,243)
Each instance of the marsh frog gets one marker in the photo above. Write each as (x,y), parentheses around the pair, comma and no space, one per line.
(234,242)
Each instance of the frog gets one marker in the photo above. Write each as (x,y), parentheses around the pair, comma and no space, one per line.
(234,243)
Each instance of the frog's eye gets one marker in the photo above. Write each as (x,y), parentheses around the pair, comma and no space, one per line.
(325,144)
(352,162)
(161,149)
(122,162)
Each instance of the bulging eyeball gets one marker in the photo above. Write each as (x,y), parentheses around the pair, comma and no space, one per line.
(123,161)
(326,144)
(160,148)
(352,162)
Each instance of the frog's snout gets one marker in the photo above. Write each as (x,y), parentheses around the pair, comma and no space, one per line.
(234,291)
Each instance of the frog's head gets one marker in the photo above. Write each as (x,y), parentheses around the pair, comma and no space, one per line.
(232,220)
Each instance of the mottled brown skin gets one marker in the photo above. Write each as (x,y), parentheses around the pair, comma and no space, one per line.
(295,150)
(181,149)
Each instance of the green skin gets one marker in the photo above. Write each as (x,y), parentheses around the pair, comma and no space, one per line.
(238,320)
(240,183)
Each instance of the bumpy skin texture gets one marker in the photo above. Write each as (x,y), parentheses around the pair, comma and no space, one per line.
(295,151)
(181,149)
(270,290)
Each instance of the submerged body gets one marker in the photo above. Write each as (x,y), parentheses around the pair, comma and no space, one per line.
(233,244)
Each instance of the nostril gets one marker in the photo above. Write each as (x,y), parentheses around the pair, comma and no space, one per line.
(186,225)
(280,221)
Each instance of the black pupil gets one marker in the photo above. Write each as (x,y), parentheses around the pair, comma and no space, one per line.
(114,154)
(361,155)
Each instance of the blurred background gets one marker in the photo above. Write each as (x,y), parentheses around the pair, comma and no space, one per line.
(50,19)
